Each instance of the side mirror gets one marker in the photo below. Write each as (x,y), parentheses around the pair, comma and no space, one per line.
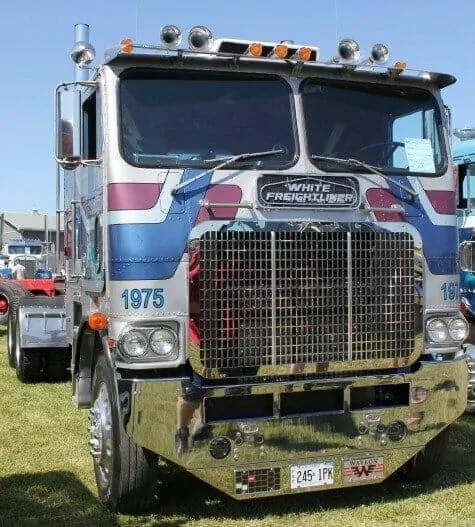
(67,125)
(467,256)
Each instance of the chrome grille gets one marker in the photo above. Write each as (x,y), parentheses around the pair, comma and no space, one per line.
(280,297)
(29,264)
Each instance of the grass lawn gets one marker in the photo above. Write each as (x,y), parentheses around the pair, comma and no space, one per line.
(46,478)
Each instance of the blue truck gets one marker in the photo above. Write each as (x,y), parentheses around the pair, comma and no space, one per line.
(464,159)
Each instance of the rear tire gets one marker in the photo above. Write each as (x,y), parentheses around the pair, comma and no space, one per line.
(126,474)
(428,461)
(12,293)
(28,362)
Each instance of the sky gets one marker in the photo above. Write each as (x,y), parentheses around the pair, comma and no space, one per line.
(36,38)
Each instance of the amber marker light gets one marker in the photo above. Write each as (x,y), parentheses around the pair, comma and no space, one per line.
(127,45)
(280,51)
(304,53)
(255,49)
(399,66)
(97,321)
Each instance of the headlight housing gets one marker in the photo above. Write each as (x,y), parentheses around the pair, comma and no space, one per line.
(149,342)
(163,342)
(437,330)
(133,343)
(447,330)
(458,329)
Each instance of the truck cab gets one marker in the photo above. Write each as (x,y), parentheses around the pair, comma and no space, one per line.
(28,253)
(261,264)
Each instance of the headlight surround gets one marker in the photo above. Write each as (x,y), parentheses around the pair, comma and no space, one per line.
(149,342)
(133,343)
(163,342)
(458,329)
(437,330)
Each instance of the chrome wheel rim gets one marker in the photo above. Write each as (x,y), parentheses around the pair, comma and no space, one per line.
(11,328)
(101,435)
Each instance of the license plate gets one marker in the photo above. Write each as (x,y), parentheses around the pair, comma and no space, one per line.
(311,475)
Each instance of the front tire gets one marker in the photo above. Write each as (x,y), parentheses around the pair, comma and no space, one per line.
(428,461)
(126,474)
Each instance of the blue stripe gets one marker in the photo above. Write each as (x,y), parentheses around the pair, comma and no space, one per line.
(152,251)
(439,242)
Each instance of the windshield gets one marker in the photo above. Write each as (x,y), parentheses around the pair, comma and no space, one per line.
(392,128)
(182,119)
(24,249)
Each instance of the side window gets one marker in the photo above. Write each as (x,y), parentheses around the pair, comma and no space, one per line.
(417,125)
(91,127)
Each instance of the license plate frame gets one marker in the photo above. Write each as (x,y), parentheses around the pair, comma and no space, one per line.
(316,474)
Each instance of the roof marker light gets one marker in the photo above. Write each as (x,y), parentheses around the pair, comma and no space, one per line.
(126,45)
(304,53)
(199,38)
(280,51)
(255,49)
(399,67)
(170,36)
(348,51)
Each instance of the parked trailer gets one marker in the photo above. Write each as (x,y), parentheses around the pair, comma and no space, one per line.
(261,282)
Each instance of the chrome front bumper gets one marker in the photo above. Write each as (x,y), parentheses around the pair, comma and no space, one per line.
(264,449)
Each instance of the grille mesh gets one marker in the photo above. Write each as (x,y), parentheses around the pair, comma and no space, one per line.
(276,298)
(29,264)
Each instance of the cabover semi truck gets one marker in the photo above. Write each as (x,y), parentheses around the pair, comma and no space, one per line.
(464,159)
(261,274)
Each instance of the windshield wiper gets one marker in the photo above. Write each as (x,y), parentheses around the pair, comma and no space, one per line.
(370,168)
(224,162)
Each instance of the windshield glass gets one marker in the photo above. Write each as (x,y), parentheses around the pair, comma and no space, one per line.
(393,128)
(24,249)
(181,119)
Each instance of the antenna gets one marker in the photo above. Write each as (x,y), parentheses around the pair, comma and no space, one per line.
(137,9)
(336,20)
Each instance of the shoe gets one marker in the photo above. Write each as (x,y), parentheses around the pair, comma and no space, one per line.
(181,440)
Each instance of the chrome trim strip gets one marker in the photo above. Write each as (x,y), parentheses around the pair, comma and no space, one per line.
(350,295)
(273,301)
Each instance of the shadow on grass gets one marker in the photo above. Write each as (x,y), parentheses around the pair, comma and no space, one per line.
(51,498)
(197,500)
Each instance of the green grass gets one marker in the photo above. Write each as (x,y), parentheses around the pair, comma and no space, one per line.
(46,478)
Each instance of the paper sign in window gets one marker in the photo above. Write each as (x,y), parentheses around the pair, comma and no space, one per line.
(420,155)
